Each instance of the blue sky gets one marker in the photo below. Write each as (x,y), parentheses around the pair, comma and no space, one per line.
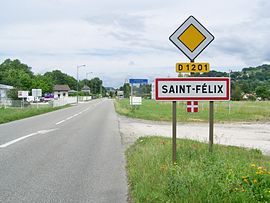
(121,39)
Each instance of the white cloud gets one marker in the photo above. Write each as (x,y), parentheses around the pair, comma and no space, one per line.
(120,39)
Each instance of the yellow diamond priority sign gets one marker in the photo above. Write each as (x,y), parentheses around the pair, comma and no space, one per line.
(191,38)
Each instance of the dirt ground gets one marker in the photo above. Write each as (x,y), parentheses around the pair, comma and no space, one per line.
(251,135)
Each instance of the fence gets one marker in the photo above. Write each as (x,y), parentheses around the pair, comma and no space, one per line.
(69,100)
(5,102)
(8,103)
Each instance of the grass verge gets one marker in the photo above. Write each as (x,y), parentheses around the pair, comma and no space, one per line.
(12,114)
(229,174)
(239,111)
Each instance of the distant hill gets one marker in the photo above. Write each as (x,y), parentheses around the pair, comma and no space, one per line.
(249,83)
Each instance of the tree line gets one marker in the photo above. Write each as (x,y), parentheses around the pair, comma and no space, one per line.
(21,77)
(249,83)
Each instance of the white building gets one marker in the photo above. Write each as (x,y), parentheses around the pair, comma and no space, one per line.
(3,91)
(61,91)
(86,89)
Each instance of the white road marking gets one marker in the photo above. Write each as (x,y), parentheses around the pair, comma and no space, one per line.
(42,132)
(60,122)
(70,117)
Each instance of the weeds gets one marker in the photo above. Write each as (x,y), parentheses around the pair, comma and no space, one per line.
(229,174)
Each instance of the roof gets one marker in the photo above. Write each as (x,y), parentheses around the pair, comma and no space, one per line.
(110,88)
(61,88)
(85,87)
(5,87)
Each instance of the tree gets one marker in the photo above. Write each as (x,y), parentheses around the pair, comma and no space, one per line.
(42,82)
(16,74)
(127,90)
(245,87)
(236,93)
(17,65)
(57,77)
(263,92)
(146,90)
(180,75)
(96,86)
(13,94)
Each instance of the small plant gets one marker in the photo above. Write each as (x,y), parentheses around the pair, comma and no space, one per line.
(257,183)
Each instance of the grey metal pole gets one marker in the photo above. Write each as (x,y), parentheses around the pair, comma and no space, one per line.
(211,125)
(78,82)
(77,85)
(174,122)
(101,90)
(230,89)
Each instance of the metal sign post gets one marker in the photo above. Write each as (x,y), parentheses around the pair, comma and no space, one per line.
(211,125)
(174,124)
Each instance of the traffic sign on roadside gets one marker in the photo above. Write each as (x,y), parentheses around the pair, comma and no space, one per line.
(23,94)
(192,67)
(189,89)
(36,92)
(191,38)
(138,81)
(135,100)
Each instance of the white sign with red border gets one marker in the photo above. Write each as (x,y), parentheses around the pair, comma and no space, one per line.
(189,89)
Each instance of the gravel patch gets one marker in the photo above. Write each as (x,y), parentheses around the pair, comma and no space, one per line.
(250,135)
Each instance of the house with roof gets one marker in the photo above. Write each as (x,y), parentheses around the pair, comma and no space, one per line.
(86,89)
(60,91)
(3,91)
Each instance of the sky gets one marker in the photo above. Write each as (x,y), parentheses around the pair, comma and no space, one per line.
(122,39)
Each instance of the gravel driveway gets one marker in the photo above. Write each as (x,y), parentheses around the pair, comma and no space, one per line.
(251,135)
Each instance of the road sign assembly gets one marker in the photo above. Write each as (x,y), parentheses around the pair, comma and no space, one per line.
(192,107)
(188,89)
(191,38)
(138,81)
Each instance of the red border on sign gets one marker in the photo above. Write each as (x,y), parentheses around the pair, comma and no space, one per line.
(226,98)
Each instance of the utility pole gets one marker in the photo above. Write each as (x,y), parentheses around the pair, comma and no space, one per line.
(79,66)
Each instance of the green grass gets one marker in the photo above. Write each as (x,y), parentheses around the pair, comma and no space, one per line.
(12,114)
(161,111)
(229,174)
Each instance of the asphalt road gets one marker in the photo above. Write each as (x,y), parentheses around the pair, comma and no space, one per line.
(70,155)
